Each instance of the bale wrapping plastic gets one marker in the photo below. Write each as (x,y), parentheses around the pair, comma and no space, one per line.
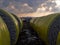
(48,28)
(20,24)
(4,33)
(19,21)
(12,25)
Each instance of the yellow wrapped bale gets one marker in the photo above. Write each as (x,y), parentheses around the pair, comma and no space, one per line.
(19,21)
(12,25)
(4,33)
(20,24)
(48,28)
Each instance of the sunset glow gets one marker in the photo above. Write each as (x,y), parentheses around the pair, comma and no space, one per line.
(31,8)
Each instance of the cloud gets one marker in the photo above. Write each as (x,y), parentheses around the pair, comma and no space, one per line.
(31,7)
(34,4)
(26,8)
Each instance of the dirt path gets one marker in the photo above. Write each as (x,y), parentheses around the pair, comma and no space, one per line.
(28,36)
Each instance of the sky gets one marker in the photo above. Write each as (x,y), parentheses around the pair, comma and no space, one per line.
(31,8)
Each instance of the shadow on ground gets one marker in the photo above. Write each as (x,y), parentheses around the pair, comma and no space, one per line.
(28,36)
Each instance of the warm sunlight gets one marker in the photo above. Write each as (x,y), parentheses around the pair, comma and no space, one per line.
(57,2)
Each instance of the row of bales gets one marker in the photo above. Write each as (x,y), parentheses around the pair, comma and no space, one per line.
(10,26)
(48,28)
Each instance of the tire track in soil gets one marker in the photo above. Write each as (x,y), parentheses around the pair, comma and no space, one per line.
(27,36)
